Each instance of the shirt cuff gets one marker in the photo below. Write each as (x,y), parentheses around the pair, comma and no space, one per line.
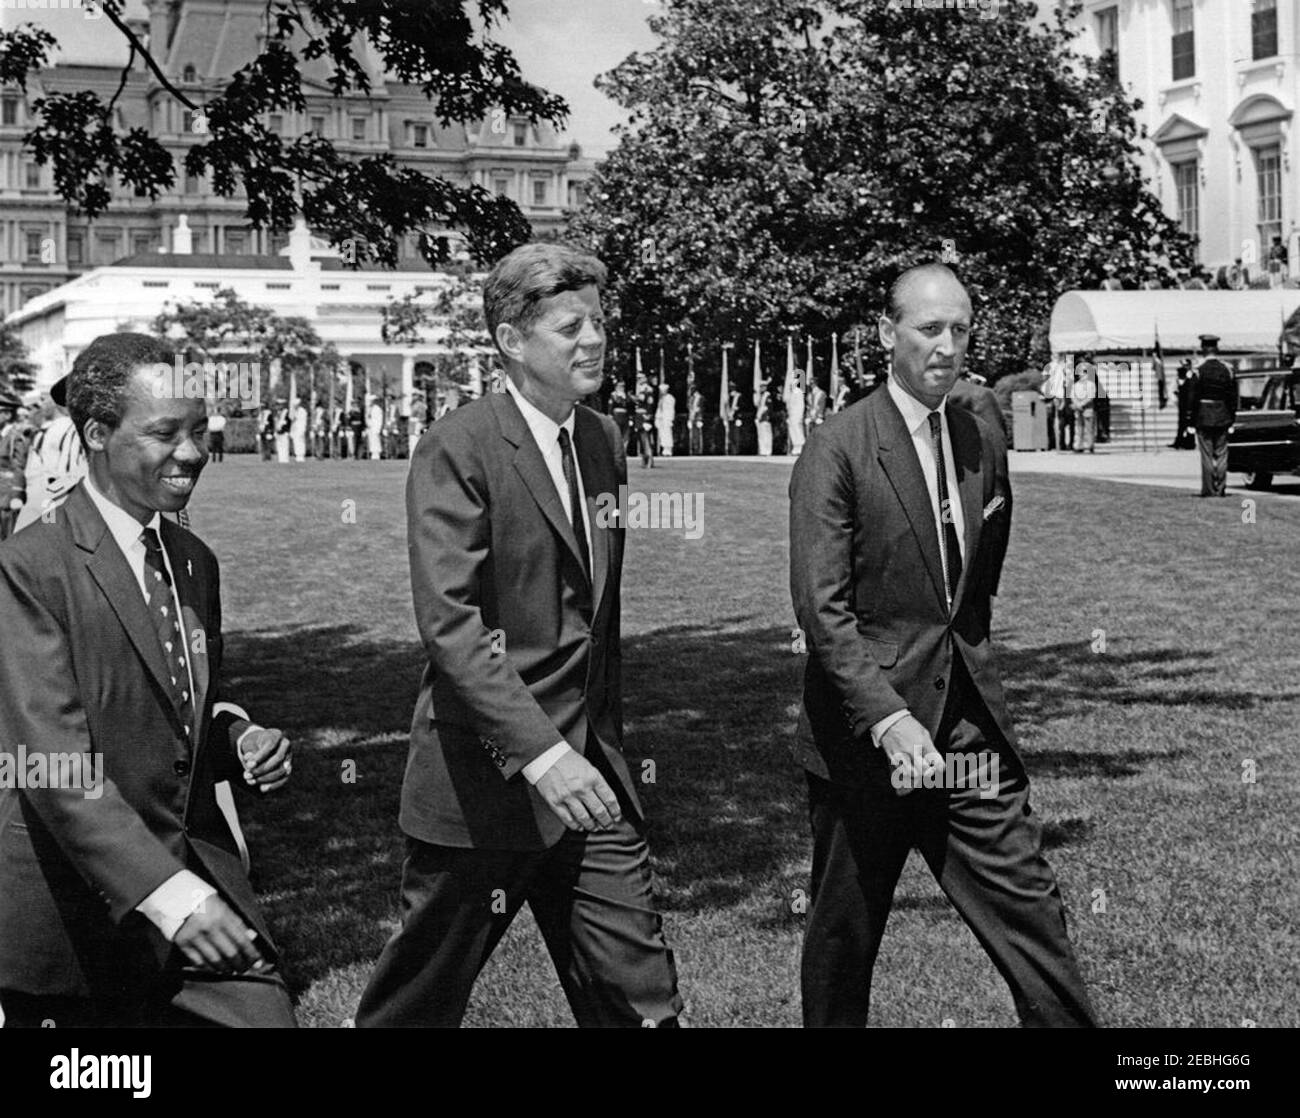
(175,901)
(536,768)
(878,729)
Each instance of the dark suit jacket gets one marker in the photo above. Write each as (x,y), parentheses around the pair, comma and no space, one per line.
(81,670)
(523,650)
(867,582)
(1214,395)
(983,404)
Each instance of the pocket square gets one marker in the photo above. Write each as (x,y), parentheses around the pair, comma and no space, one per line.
(993,506)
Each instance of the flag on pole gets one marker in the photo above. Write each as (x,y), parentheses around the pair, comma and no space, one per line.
(835,371)
(758,375)
(724,401)
(791,376)
(1158,365)
(810,380)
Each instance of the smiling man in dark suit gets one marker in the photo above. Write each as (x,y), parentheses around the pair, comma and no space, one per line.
(123,900)
(905,734)
(516,788)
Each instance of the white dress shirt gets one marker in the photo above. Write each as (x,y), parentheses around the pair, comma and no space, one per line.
(546,434)
(182,894)
(916,416)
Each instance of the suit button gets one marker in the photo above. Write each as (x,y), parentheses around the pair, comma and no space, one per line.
(181,768)
(939,684)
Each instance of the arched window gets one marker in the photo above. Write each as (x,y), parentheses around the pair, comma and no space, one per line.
(190,74)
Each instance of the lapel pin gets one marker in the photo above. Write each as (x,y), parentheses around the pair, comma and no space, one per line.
(189,567)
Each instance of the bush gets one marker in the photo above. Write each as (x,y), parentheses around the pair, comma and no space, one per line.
(241,435)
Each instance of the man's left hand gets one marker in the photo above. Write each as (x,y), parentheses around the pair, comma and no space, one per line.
(267,759)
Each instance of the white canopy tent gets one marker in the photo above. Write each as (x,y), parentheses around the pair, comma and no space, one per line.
(1113,322)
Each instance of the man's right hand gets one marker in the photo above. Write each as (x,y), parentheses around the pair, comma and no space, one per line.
(911,752)
(215,938)
(574,789)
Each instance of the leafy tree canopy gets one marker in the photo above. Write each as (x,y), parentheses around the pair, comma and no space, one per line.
(783,160)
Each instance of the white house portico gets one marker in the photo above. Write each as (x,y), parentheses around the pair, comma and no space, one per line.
(307,279)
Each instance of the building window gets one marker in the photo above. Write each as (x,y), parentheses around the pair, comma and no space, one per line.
(1108,35)
(28,293)
(1268,175)
(420,135)
(32,176)
(521,135)
(539,192)
(106,248)
(142,244)
(1263,29)
(34,241)
(318,125)
(235,242)
(1187,187)
(187,120)
(76,249)
(1184,40)
(501,186)
(192,184)
(9,110)
(189,74)
(275,123)
(358,128)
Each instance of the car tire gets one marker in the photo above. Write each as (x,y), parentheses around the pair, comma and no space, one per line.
(1259,479)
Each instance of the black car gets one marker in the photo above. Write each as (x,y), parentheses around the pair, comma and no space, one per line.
(1264,440)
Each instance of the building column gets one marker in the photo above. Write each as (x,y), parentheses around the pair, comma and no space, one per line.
(408,381)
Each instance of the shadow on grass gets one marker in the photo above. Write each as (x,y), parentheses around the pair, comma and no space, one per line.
(713,708)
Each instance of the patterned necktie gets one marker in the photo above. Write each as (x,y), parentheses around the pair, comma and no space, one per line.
(162,611)
(950,546)
(575,501)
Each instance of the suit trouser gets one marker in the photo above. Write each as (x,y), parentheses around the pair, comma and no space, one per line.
(591,896)
(985,853)
(182,999)
(1213,443)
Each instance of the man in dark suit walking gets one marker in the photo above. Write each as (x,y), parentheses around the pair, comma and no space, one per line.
(123,898)
(895,550)
(516,788)
(1213,406)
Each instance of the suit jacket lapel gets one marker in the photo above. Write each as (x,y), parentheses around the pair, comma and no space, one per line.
(966,448)
(192,595)
(532,469)
(597,481)
(109,568)
(898,459)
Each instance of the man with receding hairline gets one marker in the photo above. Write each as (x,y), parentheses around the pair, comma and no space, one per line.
(898,520)
(516,789)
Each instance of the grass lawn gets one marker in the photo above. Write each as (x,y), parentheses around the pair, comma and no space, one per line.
(1150,646)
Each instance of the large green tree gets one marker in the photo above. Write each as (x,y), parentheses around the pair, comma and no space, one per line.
(17,373)
(783,160)
(228,328)
(362,204)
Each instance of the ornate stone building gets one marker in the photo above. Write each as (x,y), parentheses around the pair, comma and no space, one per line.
(199,44)
(1219,82)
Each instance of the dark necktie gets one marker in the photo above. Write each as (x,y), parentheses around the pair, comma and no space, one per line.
(162,611)
(575,501)
(950,546)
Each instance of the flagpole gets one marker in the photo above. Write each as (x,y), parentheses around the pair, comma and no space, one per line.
(835,369)
(724,400)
